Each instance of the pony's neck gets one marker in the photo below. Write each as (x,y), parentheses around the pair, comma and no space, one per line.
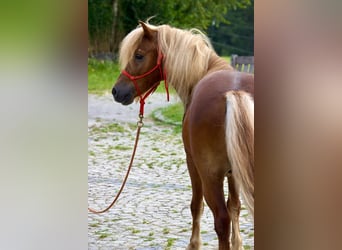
(215,63)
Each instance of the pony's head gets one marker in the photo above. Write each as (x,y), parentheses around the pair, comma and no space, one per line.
(140,61)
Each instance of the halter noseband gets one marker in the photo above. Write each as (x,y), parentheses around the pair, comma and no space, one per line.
(154,87)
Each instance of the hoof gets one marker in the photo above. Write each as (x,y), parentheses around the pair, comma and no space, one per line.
(194,246)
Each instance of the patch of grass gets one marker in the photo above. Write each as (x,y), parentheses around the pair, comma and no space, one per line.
(170,243)
(170,115)
(174,113)
(161,89)
(149,165)
(111,157)
(121,147)
(113,127)
(101,75)
(133,230)
(156,149)
(149,238)
(102,234)
(166,231)
(227,58)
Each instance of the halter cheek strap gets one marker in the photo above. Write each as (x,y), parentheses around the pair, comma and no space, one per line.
(154,87)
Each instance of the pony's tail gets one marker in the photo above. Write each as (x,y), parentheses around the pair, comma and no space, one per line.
(240,143)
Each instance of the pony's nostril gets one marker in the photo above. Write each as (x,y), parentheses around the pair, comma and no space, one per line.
(114,92)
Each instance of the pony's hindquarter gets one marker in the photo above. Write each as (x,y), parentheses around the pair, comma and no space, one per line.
(209,160)
(240,142)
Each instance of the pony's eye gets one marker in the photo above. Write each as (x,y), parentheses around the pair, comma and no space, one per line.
(138,57)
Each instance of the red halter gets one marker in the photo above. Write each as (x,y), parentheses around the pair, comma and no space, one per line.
(154,87)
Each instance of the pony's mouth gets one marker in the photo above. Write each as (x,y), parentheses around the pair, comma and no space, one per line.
(124,99)
(127,101)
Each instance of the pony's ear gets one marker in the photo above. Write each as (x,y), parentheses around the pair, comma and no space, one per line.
(149,33)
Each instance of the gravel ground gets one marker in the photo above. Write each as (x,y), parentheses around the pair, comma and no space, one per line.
(153,210)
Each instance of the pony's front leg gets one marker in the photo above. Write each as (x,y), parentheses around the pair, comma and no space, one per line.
(196,206)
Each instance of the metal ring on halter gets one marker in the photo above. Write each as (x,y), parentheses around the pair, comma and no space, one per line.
(140,122)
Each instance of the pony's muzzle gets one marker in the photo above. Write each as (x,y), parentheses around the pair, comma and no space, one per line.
(123,93)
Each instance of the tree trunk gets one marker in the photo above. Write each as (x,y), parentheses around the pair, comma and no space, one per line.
(113,39)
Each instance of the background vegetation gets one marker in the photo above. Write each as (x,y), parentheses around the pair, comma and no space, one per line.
(229,23)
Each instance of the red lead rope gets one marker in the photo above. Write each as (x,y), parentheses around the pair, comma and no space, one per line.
(140,122)
(154,87)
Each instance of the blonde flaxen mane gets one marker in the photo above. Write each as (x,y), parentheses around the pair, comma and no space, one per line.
(188,56)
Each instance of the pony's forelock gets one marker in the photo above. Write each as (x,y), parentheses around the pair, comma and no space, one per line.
(128,46)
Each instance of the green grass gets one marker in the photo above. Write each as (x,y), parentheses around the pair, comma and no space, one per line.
(101,76)
(170,115)
(122,148)
(227,58)
(102,234)
(113,127)
(133,230)
(170,243)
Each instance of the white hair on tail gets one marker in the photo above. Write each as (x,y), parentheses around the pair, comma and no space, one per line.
(240,143)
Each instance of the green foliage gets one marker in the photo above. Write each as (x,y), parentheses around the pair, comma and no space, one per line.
(179,13)
(100,17)
(237,37)
(103,21)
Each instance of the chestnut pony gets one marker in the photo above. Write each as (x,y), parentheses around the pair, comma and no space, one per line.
(218,124)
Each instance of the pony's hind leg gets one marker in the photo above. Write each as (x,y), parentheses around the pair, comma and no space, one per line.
(234,206)
(196,206)
(214,196)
